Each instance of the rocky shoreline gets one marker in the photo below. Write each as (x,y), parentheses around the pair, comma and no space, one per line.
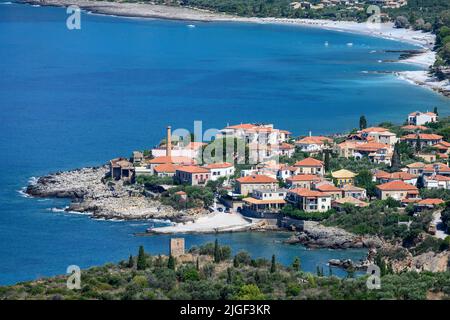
(315,235)
(92,192)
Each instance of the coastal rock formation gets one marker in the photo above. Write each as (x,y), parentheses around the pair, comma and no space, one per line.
(428,261)
(92,193)
(316,235)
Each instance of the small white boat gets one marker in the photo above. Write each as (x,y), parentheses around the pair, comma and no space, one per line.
(191,25)
(350,44)
(326,43)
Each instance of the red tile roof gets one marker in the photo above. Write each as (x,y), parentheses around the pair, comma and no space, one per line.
(284,146)
(309,162)
(430,202)
(380,174)
(221,165)
(166,167)
(375,129)
(192,169)
(439,177)
(441,167)
(371,146)
(402,176)
(416,165)
(328,188)
(256,178)
(303,192)
(422,136)
(396,186)
(413,127)
(314,140)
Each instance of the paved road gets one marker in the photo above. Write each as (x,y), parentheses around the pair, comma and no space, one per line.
(437,221)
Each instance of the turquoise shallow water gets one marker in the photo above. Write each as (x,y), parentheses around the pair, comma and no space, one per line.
(76,98)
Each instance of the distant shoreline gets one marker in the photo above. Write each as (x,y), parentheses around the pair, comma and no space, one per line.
(384,30)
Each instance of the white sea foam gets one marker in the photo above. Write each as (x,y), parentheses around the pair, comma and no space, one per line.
(57,209)
(23,193)
(80,213)
(8,2)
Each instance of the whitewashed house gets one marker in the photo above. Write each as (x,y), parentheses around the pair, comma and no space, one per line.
(418,118)
(220,170)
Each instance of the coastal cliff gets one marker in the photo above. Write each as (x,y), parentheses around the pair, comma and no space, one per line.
(92,192)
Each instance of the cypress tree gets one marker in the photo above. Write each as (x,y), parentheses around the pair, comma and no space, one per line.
(418,143)
(130,262)
(327,161)
(273,266)
(235,262)
(296,264)
(420,184)
(362,123)
(197,265)
(435,111)
(171,262)
(141,264)
(396,161)
(229,276)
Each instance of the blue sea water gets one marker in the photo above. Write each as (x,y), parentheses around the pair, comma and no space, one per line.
(76,98)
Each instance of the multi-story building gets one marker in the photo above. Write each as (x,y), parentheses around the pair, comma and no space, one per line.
(418,118)
(343,177)
(246,185)
(264,202)
(309,200)
(313,144)
(254,133)
(306,181)
(310,166)
(220,170)
(425,139)
(397,190)
(192,175)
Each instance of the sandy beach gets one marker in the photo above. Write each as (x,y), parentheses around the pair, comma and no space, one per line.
(211,223)
(384,30)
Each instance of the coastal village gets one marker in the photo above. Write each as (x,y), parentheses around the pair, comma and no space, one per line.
(302,177)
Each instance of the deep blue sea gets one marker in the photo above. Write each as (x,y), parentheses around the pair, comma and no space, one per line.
(70,99)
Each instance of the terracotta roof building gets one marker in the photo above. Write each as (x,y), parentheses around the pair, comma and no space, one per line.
(309,200)
(192,175)
(397,190)
(303,180)
(310,166)
(246,185)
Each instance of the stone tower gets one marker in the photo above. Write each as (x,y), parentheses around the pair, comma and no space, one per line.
(176,246)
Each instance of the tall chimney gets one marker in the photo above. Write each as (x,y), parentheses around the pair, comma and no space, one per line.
(169,143)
